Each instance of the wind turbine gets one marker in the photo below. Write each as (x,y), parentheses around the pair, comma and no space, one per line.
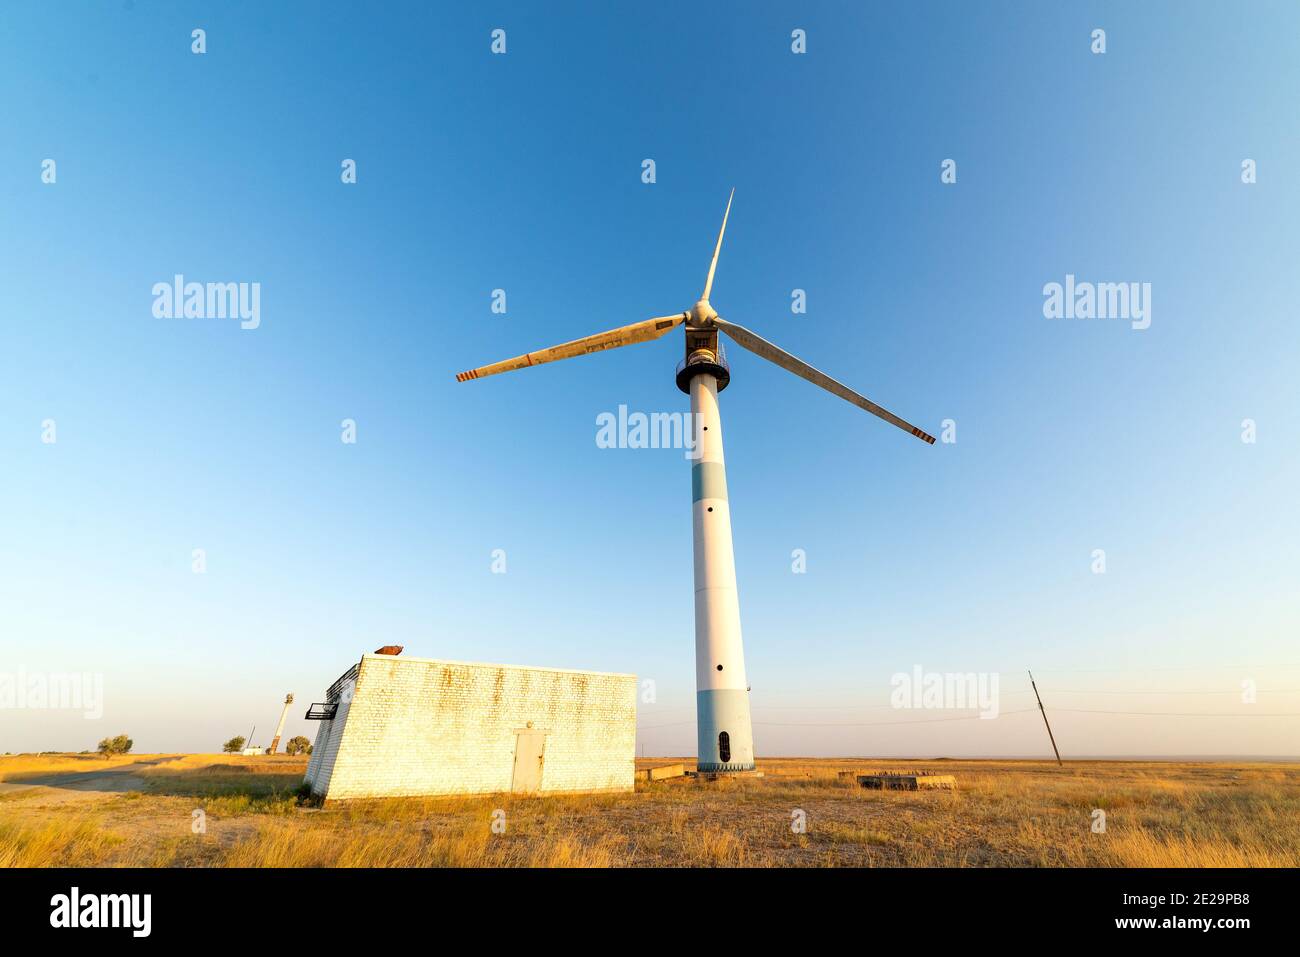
(724,734)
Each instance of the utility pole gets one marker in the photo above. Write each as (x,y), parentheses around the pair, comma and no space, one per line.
(1049,727)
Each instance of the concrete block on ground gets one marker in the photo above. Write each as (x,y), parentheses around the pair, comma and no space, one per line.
(907,781)
(661,772)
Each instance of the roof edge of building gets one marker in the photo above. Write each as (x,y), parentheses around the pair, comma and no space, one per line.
(497,664)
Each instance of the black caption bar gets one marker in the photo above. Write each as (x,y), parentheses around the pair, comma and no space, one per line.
(134,906)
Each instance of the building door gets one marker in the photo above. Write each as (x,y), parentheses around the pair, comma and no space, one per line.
(530,754)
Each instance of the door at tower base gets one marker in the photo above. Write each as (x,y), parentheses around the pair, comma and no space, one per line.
(725,738)
(408,727)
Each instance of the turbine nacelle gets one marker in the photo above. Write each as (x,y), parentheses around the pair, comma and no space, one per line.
(703,314)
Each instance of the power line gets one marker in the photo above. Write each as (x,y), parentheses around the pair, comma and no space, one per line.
(1189,714)
(1026,691)
(1258,666)
(1142,671)
(1098,691)
(880,724)
(842,724)
(975,717)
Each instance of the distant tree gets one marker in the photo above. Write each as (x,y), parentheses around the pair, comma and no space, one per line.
(234,745)
(298,745)
(120,744)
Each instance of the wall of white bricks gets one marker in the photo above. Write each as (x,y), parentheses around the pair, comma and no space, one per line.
(326,749)
(419,726)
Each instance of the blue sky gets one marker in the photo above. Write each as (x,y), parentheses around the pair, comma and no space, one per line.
(523,172)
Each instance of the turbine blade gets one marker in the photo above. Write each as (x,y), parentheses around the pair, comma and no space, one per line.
(708,283)
(622,336)
(802,369)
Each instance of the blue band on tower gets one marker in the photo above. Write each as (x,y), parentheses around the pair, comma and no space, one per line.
(708,480)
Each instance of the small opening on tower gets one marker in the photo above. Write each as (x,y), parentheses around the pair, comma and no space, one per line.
(719,667)
(724,746)
(710,508)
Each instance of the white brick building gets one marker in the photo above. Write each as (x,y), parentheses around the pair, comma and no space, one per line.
(395,726)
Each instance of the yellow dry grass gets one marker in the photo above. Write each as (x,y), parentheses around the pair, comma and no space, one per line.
(1009,813)
(73,843)
(16,767)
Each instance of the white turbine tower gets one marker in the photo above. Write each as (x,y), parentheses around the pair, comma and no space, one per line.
(279,728)
(725,736)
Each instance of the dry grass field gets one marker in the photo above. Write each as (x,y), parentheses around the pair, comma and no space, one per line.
(87,811)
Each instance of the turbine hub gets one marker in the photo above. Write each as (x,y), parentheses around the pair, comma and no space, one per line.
(702,313)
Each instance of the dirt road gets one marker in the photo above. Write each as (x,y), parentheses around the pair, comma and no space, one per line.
(81,785)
